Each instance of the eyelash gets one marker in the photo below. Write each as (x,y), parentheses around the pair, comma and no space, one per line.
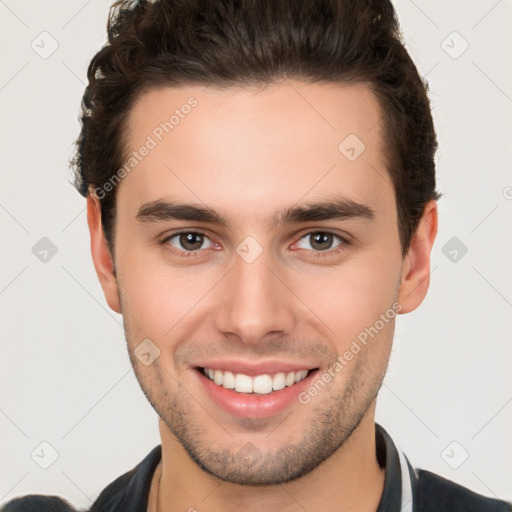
(315,254)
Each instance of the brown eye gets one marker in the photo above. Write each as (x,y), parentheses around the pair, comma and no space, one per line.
(320,240)
(188,241)
(191,241)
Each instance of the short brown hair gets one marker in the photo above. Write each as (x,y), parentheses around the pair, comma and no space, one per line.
(257,42)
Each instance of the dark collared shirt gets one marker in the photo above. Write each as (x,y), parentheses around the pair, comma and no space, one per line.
(411,490)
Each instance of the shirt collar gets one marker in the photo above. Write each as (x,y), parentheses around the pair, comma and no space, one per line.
(388,458)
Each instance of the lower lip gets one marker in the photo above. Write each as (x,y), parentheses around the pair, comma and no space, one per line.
(253,405)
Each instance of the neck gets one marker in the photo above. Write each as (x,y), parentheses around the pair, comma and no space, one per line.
(349,480)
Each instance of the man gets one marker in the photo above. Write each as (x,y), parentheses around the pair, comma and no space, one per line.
(260,187)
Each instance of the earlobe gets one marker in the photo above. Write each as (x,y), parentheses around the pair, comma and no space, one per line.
(101,255)
(416,268)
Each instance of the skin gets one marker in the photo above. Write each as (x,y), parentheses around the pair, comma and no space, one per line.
(248,153)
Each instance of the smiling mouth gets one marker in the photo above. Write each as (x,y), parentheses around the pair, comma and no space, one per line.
(262,384)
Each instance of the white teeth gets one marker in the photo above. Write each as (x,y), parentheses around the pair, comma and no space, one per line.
(217,377)
(261,384)
(290,379)
(228,380)
(279,381)
(243,383)
(300,375)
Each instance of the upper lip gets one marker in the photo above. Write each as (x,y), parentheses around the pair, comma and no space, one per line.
(256,368)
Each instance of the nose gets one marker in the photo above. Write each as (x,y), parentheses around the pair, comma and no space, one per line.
(255,301)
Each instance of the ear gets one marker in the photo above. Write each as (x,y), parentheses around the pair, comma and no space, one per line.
(101,255)
(415,279)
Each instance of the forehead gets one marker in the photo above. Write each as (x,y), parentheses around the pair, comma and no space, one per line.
(250,149)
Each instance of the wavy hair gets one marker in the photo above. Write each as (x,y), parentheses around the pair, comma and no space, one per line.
(257,42)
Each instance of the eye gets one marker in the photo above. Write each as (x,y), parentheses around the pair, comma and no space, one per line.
(187,242)
(322,242)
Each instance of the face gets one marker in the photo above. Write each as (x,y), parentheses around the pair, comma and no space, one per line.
(254,239)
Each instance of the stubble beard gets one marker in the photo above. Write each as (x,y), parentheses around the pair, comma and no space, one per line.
(335,414)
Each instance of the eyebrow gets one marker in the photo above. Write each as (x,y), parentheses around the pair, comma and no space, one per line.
(337,208)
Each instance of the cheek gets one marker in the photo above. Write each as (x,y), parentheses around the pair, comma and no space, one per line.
(158,299)
(351,298)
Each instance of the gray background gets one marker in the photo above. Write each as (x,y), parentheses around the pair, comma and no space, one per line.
(66,377)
